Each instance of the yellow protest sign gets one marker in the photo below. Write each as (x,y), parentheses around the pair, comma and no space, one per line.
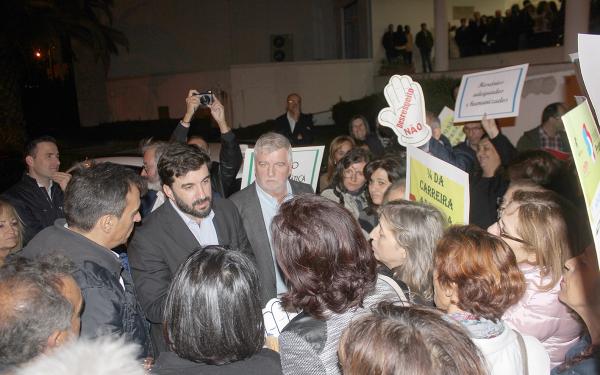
(584,139)
(442,185)
(454,133)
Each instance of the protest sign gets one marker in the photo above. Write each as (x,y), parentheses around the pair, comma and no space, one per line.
(589,59)
(584,140)
(305,167)
(495,93)
(442,185)
(406,112)
(454,133)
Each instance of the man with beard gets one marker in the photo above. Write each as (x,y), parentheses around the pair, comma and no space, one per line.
(189,219)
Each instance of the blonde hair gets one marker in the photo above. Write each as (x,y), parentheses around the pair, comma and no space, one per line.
(543,228)
(6,209)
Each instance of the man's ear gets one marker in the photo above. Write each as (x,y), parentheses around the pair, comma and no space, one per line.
(56,339)
(29,160)
(106,223)
(168,191)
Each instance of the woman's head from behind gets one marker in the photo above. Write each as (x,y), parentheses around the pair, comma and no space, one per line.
(349,173)
(11,230)
(405,239)
(212,313)
(380,175)
(533,225)
(476,272)
(323,255)
(398,340)
(537,165)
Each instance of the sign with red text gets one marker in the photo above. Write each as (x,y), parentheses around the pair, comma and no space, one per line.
(495,94)
(406,112)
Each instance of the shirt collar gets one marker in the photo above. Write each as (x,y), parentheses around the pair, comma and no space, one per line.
(188,220)
(269,198)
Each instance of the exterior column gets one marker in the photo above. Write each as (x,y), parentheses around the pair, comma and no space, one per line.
(577,21)
(440,41)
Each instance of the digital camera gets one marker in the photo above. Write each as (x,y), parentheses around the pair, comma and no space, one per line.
(206,98)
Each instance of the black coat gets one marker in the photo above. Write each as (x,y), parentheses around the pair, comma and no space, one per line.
(302,129)
(34,206)
(109,308)
(163,242)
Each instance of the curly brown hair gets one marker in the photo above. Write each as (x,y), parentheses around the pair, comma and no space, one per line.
(483,268)
(323,255)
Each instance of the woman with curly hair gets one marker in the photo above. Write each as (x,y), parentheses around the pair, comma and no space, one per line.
(331,277)
(476,279)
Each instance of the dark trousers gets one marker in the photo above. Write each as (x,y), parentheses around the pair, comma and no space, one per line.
(426,59)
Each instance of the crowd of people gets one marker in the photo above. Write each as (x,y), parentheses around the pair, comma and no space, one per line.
(530,26)
(518,28)
(168,271)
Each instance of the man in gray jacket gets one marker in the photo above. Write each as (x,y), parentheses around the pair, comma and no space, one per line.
(259,202)
(101,208)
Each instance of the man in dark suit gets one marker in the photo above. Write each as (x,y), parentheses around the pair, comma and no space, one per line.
(190,218)
(295,125)
(259,202)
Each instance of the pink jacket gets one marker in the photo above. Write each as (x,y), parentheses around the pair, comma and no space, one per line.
(541,315)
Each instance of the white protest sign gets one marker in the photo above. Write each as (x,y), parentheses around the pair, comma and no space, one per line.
(305,167)
(589,60)
(406,113)
(495,93)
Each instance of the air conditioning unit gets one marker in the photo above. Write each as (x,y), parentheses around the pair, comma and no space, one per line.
(282,47)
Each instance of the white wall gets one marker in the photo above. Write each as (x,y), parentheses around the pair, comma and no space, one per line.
(139,98)
(257,92)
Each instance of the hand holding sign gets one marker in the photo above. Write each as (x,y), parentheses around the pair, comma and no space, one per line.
(406,113)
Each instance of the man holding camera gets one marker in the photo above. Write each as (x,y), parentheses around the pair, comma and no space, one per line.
(222,174)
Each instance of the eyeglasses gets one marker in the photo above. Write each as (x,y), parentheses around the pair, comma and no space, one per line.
(349,173)
(503,234)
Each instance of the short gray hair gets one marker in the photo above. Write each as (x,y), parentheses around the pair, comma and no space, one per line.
(32,308)
(417,227)
(270,142)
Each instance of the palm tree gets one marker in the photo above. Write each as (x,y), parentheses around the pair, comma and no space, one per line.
(27,26)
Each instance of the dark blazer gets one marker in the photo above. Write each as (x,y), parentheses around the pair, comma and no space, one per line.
(248,206)
(162,243)
(34,206)
(303,127)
